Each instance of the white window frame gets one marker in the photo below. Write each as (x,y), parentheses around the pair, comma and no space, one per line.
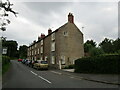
(53,60)
(53,46)
(35,52)
(73,62)
(46,58)
(32,52)
(41,42)
(35,58)
(53,36)
(65,33)
(41,49)
(28,53)
(38,50)
(63,59)
(41,58)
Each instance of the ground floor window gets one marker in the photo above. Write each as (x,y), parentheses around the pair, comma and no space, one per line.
(62,59)
(46,58)
(41,58)
(35,58)
(53,60)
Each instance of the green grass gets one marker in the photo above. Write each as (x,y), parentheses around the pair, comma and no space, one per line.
(5,68)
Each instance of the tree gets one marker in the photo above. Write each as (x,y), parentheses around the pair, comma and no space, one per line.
(23,51)
(5,7)
(116,45)
(96,51)
(107,45)
(88,45)
(91,42)
(11,47)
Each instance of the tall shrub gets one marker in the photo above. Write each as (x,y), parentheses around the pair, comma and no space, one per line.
(98,64)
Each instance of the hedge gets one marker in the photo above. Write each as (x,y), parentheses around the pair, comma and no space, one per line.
(5,60)
(69,67)
(5,63)
(99,64)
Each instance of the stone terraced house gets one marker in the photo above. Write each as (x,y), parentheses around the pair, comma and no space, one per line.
(60,47)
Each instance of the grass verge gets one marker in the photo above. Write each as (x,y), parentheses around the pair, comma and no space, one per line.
(5,68)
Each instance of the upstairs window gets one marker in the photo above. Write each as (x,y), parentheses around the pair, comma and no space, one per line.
(65,33)
(32,52)
(41,42)
(53,46)
(53,36)
(28,53)
(62,59)
(38,50)
(53,60)
(42,49)
(35,52)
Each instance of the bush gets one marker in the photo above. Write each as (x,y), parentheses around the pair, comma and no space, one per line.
(98,64)
(5,63)
(69,67)
(95,51)
(5,60)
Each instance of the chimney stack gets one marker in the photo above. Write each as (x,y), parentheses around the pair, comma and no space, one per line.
(70,18)
(39,38)
(42,35)
(49,31)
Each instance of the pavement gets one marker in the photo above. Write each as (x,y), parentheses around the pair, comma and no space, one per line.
(102,78)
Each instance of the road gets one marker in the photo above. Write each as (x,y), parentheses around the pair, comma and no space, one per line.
(22,76)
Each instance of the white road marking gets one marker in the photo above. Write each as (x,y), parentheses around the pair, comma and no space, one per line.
(33,73)
(41,77)
(56,72)
(44,79)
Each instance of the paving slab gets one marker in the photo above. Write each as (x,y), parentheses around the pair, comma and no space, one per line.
(103,78)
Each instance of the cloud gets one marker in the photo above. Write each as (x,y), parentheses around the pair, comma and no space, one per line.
(99,19)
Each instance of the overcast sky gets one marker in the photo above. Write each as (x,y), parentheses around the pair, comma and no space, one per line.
(99,19)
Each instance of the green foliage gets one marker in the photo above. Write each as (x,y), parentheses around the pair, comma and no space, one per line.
(91,42)
(23,51)
(5,60)
(5,63)
(11,48)
(116,45)
(95,51)
(69,67)
(88,45)
(5,8)
(98,64)
(109,45)
(106,46)
(5,68)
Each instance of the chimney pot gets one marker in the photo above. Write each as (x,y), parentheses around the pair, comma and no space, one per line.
(49,31)
(70,18)
(42,35)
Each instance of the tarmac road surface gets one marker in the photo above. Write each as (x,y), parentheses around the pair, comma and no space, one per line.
(22,76)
